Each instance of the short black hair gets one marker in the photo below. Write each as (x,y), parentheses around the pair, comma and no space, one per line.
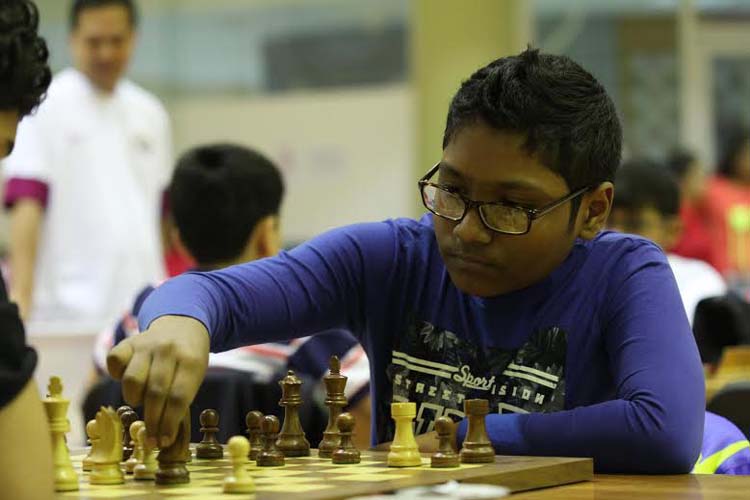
(643,183)
(24,72)
(564,112)
(218,194)
(79,6)
(679,161)
(733,136)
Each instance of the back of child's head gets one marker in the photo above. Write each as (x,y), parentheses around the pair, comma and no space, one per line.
(218,194)
(679,162)
(24,73)
(642,183)
(734,137)
(565,114)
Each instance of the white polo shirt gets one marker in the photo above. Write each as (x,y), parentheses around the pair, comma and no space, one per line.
(99,163)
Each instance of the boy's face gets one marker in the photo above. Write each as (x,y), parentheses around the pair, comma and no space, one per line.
(8,125)
(484,164)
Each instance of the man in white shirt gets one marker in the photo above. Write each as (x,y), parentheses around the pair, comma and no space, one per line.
(85,181)
(647,203)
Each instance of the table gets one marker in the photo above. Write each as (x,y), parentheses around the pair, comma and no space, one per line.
(616,487)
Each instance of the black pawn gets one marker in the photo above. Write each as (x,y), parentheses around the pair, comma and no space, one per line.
(445,456)
(209,447)
(346,453)
(127,418)
(253,421)
(270,456)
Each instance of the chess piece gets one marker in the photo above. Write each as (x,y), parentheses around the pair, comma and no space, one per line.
(107,454)
(346,453)
(209,447)
(252,421)
(122,410)
(404,450)
(270,455)
(172,459)
(445,456)
(127,418)
(477,448)
(239,481)
(335,401)
(145,469)
(136,456)
(292,441)
(93,434)
(56,408)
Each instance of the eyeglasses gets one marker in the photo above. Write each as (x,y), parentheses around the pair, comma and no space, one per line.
(498,216)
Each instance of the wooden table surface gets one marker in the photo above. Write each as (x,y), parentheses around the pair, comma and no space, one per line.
(621,487)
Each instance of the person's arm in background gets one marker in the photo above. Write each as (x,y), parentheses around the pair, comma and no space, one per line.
(26,217)
(26,464)
(654,422)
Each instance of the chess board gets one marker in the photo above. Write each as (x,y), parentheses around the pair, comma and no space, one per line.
(313,478)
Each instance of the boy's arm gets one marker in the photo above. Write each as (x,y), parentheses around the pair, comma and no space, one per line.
(654,423)
(318,286)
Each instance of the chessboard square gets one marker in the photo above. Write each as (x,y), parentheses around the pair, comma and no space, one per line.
(287,480)
(194,491)
(428,467)
(355,469)
(295,488)
(111,492)
(361,463)
(372,477)
(277,473)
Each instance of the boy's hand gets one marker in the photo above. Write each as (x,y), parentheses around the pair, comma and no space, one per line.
(162,368)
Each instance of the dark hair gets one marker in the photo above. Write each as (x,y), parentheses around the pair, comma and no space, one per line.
(733,136)
(81,5)
(642,183)
(566,115)
(218,194)
(679,161)
(24,72)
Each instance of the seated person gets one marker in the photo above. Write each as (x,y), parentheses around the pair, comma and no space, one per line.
(725,449)
(507,290)
(694,240)
(647,203)
(27,449)
(225,201)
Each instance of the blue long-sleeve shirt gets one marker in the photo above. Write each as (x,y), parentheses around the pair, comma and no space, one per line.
(596,360)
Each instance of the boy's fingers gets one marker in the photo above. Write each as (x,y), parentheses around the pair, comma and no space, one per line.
(184,386)
(135,377)
(119,357)
(157,388)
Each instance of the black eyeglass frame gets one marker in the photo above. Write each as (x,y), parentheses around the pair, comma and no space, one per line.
(531,213)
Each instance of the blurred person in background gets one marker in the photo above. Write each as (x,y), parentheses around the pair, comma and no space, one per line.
(647,203)
(26,460)
(85,181)
(694,241)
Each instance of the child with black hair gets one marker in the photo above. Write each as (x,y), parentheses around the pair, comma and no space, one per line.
(27,450)
(507,290)
(695,241)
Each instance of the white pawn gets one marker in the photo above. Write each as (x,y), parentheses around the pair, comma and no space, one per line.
(137,456)
(239,481)
(145,469)
(93,434)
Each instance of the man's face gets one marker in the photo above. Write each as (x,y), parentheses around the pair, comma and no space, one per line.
(8,125)
(484,164)
(102,44)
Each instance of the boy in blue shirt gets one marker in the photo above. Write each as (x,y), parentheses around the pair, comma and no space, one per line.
(507,291)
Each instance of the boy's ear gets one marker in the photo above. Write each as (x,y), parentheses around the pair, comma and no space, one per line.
(595,208)
(265,237)
(175,241)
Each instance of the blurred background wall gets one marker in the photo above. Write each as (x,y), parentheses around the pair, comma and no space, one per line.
(350,96)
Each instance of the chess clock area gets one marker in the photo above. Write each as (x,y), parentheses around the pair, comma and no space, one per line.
(276,461)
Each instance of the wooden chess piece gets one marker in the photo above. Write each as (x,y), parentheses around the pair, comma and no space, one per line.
(107,454)
(346,453)
(208,447)
(145,469)
(172,459)
(292,441)
(335,401)
(239,481)
(477,448)
(127,418)
(253,421)
(122,410)
(270,455)
(136,456)
(404,450)
(56,408)
(445,456)
(93,434)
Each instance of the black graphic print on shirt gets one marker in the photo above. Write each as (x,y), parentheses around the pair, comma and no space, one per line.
(437,370)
